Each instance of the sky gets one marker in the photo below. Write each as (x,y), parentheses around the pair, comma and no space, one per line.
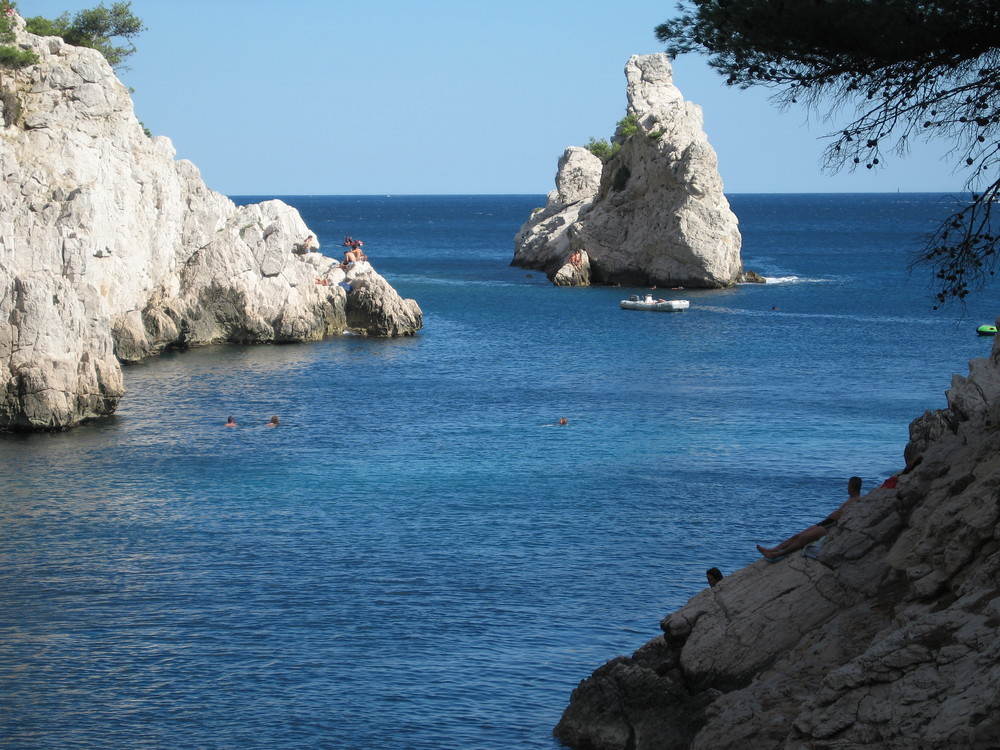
(372,97)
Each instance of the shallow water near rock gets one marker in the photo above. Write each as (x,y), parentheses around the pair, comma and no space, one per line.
(417,556)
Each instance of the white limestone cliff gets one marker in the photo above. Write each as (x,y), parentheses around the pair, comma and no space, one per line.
(654,213)
(111,250)
(886,640)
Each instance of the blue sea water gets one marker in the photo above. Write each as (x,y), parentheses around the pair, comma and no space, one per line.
(417,557)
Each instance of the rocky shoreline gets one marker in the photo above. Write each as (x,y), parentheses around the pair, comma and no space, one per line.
(887,639)
(111,250)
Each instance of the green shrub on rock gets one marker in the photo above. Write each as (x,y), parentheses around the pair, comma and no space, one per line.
(11,56)
(602,149)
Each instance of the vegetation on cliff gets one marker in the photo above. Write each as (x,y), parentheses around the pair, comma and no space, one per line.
(911,69)
(11,56)
(94,28)
(625,129)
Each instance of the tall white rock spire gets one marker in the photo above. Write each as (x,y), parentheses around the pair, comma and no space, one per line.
(654,213)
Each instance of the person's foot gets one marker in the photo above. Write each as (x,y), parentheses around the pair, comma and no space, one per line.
(770,554)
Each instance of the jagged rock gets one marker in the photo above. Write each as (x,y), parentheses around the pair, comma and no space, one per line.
(374,308)
(654,213)
(888,639)
(111,250)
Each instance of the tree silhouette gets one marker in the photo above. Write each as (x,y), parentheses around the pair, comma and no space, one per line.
(909,70)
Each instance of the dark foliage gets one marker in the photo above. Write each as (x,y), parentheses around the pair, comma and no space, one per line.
(910,69)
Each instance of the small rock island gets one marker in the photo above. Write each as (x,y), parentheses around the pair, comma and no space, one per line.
(651,212)
(112,251)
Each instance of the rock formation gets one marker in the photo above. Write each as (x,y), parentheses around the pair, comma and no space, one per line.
(112,251)
(887,639)
(653,213)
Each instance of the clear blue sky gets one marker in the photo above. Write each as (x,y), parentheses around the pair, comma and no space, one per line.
(441,96)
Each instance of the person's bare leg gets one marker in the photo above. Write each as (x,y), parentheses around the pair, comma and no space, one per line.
(793,543)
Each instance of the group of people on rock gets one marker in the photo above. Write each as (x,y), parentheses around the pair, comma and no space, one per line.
(353,254)
(818,530)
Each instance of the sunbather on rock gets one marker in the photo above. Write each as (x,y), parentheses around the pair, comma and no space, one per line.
(817,531)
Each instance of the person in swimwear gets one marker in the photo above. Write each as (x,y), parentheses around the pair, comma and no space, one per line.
(231,422)
(354,254)
(816,531)
(274,421)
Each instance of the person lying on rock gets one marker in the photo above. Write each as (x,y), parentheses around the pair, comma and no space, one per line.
(817,531)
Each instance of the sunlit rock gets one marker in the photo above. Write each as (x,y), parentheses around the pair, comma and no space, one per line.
(654,213)
(111,250)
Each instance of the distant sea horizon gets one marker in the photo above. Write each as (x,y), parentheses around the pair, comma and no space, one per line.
(958,192)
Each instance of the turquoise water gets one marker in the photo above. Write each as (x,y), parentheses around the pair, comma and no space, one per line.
(417,557)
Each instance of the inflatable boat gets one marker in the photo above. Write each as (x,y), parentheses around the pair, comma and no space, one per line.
(987,330)
(656,305)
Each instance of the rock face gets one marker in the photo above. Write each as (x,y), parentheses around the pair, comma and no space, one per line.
(112,251)
(888,639)
(654,213)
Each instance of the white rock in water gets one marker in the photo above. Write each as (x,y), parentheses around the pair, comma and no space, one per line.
(110,250)
(654,213)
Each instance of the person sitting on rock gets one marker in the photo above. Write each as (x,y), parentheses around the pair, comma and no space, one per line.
(714,575)
(815,532)
(354,254)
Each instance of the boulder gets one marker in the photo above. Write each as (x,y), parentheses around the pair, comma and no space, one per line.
(653,213)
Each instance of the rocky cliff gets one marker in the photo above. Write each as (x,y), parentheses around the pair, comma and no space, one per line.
(887,639)
(111,250)
(653,213)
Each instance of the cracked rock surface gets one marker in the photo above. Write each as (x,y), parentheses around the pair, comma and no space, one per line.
(888,639)
(111,250)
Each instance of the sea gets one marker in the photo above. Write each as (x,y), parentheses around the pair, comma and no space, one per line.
(419,556)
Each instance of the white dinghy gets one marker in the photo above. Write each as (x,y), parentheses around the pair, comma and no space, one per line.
(655,305)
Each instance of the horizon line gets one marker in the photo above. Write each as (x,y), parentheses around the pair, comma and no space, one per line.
(494,195)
